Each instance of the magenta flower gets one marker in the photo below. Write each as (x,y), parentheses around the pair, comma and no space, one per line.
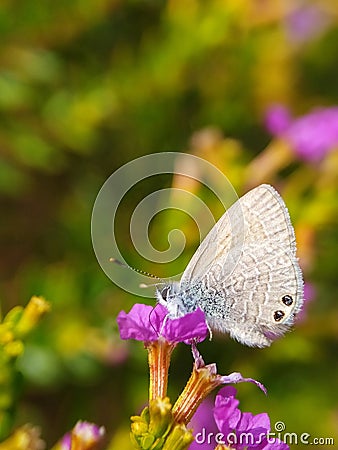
(226,424)
(146,323)
(311,136)
(242,430)
(203,419)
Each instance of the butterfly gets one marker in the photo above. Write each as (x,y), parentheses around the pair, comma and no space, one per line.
(245,275)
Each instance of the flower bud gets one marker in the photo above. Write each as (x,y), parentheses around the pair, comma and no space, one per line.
(36,308)
(160,416)
(179,439)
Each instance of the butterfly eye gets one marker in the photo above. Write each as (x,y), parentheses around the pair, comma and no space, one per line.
(287,300)
(278,315)
(165,292)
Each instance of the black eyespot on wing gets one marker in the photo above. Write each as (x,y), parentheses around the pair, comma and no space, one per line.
(165,292)
(278,315)
(287,300)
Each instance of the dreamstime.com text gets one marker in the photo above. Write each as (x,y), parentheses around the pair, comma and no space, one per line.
(248,438)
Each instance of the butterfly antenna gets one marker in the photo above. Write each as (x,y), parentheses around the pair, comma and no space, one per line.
(151,324)
(142,272)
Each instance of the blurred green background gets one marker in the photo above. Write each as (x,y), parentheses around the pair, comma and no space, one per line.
(87,86)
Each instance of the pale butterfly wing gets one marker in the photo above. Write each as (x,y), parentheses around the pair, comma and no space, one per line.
(246,266)
(259,214)
(251,296)
(227,233)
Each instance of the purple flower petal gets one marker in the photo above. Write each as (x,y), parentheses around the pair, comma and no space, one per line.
(137,325)
(252,422)
(237,377)
(251,428)
(202,424)
(242,430)
(190,327)
(228,417)
(147,323)
(226,412)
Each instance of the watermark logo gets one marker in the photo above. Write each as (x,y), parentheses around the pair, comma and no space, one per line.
(187,172)
(251,438)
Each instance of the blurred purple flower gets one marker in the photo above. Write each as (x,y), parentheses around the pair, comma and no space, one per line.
(242,430)
(306,22)
(84,435)
(88,433)
(147,323)
(311,136)
(277,119)
(66,442)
